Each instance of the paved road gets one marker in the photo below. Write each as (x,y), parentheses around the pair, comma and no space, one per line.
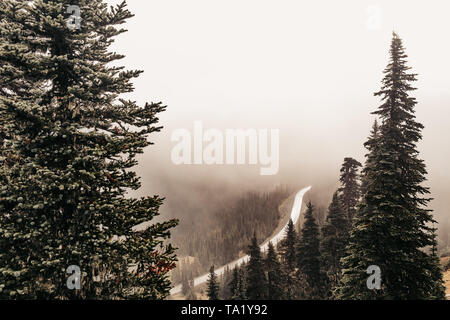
(295,215)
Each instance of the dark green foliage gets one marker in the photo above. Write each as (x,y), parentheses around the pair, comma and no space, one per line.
(226,278)
(308,256)
(242,284)
(237,284)
(256,282)
(350,188)
(233,285)
(335,234)
(212,289)
(371,145)
(393,227)
(289,261)
(68,147)
(274,275)
(288,246)
(437,291)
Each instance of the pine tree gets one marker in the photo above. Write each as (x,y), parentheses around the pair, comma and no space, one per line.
(288,246)
(225,293)
(289,261)
(371,145)
(392,229)
(308,256)
(350,188)
(255,272)
(335,234)
(69,143)
(233,285)
(438,289)
(274,275)
(242,284)
(212,289)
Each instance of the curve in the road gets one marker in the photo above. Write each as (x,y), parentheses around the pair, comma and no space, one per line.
(295,215)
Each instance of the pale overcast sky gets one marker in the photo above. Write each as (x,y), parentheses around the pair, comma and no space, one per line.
(308,68)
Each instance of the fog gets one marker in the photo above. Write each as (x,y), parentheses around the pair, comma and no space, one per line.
(306,68)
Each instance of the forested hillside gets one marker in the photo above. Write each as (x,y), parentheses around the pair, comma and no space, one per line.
(229,229)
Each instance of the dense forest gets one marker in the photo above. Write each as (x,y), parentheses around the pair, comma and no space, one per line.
(305,265)
(69,147)
(309,264)
(378,240)
(230,227)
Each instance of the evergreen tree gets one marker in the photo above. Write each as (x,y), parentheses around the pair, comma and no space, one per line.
(225,293)
(242,284)
(392,229)
(308,256)
(288,246)
(69,143)
(274,275)
(438,289)
(233,285)
(350,188)
(289,261)
(255,273)
(212,289)
(371,145)
(335,235)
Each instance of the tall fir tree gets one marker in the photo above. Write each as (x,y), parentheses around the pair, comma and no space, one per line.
(289,262)
(233,285)
(69,145)
(242,284)
(350,188)
(335,234)
(288,246)
(393,226)
(224,292)
(212,285)
(274,275)
(256,282)
(308,256)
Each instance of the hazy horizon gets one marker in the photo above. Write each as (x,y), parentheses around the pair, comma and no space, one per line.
(308,70)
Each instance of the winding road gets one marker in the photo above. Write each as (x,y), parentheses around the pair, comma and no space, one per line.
(295,215)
